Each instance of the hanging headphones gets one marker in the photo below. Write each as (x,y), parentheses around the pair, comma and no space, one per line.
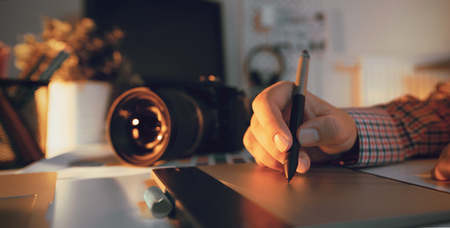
(264,66)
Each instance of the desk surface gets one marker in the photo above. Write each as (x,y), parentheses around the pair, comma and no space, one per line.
(93,190)
(413,171)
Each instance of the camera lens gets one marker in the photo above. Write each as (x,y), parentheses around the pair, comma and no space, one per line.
(138,127)
(144,126)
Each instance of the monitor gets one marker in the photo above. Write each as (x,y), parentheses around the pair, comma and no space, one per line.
(168,40)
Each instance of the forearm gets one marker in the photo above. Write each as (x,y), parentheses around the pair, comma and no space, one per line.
(379,141)
(404,128)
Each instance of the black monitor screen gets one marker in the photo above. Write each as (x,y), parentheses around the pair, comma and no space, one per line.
(165,39)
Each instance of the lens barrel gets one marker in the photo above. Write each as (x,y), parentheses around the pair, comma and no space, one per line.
(146,126)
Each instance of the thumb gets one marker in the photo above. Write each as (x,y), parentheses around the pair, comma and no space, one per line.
(328,132)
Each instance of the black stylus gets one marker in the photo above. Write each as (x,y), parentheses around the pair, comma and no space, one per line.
(297,113)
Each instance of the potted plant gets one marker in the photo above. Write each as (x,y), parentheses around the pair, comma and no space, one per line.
(89,74)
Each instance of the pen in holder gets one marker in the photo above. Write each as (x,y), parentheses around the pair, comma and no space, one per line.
(23,122)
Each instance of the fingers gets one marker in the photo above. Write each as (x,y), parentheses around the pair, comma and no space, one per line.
(268,107)
(268,137)
(304,162)
(262,157)
(265,140)
(330,132)
(271,158)
(442,170)
(321,130)
(326,126)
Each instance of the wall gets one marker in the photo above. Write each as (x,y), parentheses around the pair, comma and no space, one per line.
(356,28)
(393,29)
(417,29)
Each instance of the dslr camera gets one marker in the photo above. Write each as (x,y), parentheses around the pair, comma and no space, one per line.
(169,121)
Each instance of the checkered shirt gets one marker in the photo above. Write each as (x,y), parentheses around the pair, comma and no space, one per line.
(402,129)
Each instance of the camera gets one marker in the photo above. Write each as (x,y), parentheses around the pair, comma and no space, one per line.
(169,121)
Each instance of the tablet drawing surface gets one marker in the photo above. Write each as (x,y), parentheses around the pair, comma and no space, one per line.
(325,196)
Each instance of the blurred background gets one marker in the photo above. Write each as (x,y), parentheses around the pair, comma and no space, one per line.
(362,52)
(348,39)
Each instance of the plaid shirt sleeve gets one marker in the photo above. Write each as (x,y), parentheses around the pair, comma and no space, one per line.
(404,128)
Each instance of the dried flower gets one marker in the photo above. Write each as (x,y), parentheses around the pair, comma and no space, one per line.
(92,57)
(25,51)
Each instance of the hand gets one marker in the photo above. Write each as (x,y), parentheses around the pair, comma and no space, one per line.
(326,132)
(442,170)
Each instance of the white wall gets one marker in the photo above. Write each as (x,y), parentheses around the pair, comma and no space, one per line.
(389,28)
(393,27)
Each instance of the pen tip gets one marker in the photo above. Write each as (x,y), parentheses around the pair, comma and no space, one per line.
(289,181)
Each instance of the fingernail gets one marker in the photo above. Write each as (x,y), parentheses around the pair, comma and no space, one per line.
(303,162)
(281,142)
(308,136)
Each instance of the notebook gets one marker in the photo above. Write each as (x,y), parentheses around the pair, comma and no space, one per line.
(25,198)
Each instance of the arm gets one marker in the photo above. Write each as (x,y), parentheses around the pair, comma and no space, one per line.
(402,129)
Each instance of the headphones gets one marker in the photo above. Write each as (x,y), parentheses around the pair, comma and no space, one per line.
(259,57)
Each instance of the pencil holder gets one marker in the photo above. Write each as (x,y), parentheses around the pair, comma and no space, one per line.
(23,122)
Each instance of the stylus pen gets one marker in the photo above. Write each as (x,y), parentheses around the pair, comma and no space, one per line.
(297,113)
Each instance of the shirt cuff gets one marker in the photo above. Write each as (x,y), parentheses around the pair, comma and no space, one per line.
(378,137)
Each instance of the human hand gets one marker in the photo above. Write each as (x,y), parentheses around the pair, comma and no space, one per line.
(326,133)
(442,169)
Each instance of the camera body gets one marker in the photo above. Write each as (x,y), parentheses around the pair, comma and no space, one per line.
(168,120)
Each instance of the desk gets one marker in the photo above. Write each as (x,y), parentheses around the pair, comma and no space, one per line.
(413,171)
(92,190)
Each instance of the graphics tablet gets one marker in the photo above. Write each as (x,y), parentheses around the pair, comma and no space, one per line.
(247,195)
